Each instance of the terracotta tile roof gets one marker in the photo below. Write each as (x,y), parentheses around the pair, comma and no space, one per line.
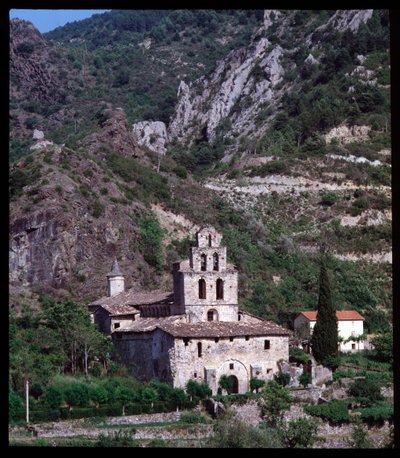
(224,329)
(177,327)
(340,315)
(129,301)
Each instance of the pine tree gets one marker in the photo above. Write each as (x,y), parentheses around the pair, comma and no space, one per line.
(324,340)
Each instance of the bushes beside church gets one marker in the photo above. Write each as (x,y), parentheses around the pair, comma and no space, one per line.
(69,398)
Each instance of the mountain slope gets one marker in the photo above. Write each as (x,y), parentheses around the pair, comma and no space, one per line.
(276,131)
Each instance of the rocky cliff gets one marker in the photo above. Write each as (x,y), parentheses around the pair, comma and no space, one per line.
(244,93)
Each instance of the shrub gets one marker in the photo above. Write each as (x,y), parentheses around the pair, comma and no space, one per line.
(283,378)
(275,400)
(297,355)
(96,208)
(117,439)
(376,415)
(256,384)
(359,436)
(36,390)
(329,198)
(234,173)
(305,379)
(193,417)
(226,382)
(299,433)
(53,396)
(365,391)
(77,395)
(383,344)
(98,394)
(25,48)
(149,395)
(231,432)
(197,390)
(180,171)
(15,404)
(334,411)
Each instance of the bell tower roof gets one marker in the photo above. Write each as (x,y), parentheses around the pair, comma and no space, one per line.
(115,270)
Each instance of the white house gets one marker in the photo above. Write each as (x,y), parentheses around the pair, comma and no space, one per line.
(350,324)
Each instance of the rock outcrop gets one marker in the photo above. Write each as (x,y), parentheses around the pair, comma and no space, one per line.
(238,89)
(348,134)
(152,135)
(115,135)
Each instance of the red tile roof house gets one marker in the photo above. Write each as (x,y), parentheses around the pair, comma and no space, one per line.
(350,324)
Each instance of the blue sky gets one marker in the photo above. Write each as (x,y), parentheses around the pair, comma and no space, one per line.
(46,20)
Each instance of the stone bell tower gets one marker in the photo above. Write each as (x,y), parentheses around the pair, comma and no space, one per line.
(115,280)
(205,286)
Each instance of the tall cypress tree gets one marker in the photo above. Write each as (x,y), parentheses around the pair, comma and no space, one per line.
(324,339)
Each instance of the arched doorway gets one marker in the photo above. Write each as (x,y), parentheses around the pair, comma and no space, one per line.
(235,384)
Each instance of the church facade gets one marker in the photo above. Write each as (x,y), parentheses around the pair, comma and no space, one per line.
(196,332)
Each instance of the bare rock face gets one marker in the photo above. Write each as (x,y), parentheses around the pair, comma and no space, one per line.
(152,135)
(41,248)
(344,20)
(114,136)
(348,134)
(245,78)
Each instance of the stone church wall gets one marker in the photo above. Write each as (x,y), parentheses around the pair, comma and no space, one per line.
(248,357)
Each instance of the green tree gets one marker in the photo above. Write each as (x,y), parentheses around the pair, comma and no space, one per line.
(151,236)
(365,392)
(226,382)
(231,432)
(126,394)
(98,394)
(383,344)
(298,433)
(324,338)
(275,399)
(149,395)
(256,384)
(53,396)
(359,435)
(198,391)
(77,395)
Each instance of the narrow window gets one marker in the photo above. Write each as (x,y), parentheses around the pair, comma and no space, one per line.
(266,345)
(209,240)
(247,337)
(199,352)
(231,339)
(116,325)
(230,365)
(239,316)
(216,339)
(186,341)
(202,288)
(215,261)
(220,289)
(210,315)
(195,375)
(353,346)
(203,262)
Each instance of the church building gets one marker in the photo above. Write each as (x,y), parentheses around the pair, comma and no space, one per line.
(196,332)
